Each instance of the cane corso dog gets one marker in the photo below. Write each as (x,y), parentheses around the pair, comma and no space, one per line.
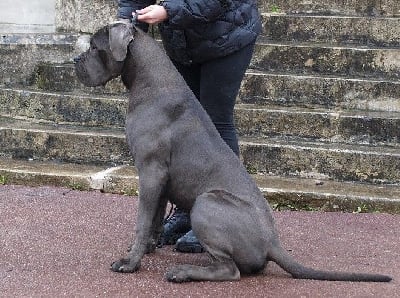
(180,157)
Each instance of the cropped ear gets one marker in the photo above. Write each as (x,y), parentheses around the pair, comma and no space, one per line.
(120,34)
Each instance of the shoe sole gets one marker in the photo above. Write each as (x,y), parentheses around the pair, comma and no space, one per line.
(189,248)
(170,239)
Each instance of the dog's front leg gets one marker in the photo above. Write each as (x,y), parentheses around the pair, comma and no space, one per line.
(152,183)
(158,226)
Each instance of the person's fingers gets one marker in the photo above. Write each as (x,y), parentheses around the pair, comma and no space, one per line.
(152,14)
(144,10)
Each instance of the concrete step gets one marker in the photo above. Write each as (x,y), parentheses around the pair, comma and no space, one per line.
(344,162)
(319,59)
(121,179)
(281,192)
(263,88)
(62,77)
(332,7)
(27,139)
(377,31)
(280,155)
(323,125)
(316,91)
(357,62)
(87,16)
(65,108)
(251,120)
(21,53)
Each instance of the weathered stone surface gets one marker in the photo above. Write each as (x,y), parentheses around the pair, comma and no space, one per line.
(285,193)
(21,54)
(62,77)
(84,16)
(333,29)
(64,108)
(282,192)
(333,7)
(328,60)
(314,91)
(106,111)
(79,144)
(264,88)
(55,77)
(26,140)
(323,125)
(280,156)
(121,179)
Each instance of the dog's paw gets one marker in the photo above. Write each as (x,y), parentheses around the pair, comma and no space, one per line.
(125,266)
(177,274)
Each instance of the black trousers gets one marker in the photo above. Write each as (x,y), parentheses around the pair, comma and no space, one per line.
(216,85)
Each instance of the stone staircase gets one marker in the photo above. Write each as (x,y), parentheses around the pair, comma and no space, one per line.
(318,112)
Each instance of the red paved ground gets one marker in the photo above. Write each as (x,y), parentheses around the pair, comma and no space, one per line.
(55,242)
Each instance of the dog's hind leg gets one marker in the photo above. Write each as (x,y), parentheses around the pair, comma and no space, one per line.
(217,271)
(223,268)
(222,223)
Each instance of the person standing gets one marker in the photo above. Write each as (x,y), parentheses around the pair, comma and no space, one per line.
(211,43)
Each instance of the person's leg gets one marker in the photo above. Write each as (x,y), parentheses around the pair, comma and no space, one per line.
(216,84)
(219,86)
(192,76)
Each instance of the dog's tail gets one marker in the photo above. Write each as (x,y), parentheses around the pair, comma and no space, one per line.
(298,271)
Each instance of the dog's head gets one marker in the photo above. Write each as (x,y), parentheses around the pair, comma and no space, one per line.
(105,57)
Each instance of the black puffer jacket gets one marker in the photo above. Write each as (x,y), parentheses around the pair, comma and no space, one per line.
(200,30)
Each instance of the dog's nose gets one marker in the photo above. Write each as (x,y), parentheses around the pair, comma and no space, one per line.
(77,59)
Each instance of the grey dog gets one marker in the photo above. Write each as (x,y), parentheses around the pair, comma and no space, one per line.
(180,157)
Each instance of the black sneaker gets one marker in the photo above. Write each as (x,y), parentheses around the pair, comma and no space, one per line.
(189,243)
(177,225)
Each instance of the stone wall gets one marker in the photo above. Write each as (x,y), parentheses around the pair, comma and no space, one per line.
(84,16)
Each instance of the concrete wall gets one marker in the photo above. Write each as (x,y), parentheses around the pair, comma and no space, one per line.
(27,16)
(49,16)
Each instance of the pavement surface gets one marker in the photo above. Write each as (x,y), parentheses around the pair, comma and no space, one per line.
(56,242)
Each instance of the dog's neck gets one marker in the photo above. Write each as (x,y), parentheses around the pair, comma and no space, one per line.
(145,55)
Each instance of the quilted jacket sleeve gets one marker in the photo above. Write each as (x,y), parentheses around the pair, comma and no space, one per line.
(188,13)
(125,7)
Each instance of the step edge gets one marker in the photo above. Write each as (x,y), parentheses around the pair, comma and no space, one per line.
(108,182)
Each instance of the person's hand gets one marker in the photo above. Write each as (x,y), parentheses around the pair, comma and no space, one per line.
(152,14)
